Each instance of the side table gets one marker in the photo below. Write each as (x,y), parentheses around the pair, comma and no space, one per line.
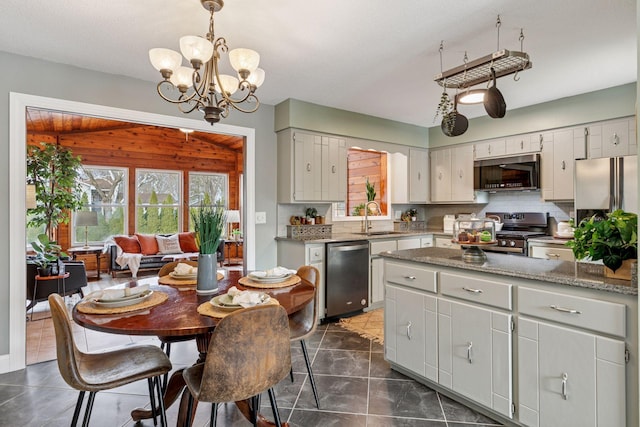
(228,244)
(60,278)
(95,250)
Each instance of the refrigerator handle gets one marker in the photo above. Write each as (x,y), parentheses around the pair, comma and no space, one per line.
(613,183)
(620,180)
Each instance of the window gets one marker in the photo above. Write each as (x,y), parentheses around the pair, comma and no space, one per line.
(158,201)
(208,189)
(104,190)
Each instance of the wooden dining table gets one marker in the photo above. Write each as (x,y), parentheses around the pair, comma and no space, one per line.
(178,317)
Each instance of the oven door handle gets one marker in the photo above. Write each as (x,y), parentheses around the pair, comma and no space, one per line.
(504,249)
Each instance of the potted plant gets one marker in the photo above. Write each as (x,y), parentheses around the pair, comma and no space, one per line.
(47,253)
(311,214)
(209,223)
(614,240)
(53,170)
(358,210)
(371,191)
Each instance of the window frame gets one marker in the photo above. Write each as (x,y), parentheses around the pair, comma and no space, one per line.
(178,204)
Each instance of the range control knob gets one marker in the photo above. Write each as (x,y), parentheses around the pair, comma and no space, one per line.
(512,243)
(503,243)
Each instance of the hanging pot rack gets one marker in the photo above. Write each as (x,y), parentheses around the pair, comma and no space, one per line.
(504,62)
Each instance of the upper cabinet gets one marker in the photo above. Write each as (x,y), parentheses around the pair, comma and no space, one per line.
(612,138)
(418,176)
(523,144)
(491,148)
(559,150)
(452,174)
(311,167)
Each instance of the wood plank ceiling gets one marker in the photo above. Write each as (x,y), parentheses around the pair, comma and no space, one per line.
(56,123)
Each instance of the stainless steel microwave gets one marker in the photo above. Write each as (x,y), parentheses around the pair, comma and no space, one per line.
(518,173)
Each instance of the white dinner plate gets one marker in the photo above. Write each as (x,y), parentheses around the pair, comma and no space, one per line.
(177,276)
(124,301)
(270,279)
(225,302)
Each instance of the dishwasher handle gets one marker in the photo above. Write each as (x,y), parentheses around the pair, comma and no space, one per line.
(347,248)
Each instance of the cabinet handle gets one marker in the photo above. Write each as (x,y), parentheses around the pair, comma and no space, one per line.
(522,145)
(308,167)
(565,310)
(440,175)
(475,291)
(556,256)
(333,169)
(489,149)
(410,277)
(616,139)
(564,165)
(470,352)
(460,173)
(409,330)
(564,385)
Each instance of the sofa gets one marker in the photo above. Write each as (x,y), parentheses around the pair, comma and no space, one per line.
(124,253)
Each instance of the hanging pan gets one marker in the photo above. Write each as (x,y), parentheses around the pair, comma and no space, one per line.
(454,123)
(494,101)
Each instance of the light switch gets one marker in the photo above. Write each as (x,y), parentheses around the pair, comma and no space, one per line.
(261,217)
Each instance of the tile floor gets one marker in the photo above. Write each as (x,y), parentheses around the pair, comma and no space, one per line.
(355,384)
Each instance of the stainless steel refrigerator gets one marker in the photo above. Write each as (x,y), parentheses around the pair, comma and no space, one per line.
(604,185)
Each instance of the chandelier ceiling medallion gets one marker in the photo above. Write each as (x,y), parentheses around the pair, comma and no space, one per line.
(201,86)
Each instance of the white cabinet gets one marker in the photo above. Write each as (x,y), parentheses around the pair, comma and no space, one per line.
(427,241)
(523,144)
(399,185)
(573,374)
(550,251)
(612,138)
(376,272)
(557,164)
(452,174)
(410,330)
(409,243)
(474,348)
(445,242)
(418,176)
(294,254)
(311,167)
(569,377)
(491,148)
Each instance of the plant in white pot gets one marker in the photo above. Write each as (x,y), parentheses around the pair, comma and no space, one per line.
(209,223)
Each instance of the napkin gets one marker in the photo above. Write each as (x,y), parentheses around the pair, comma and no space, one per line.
(183,269)
(136,290)
(114,294)
(246,298)
(273,272)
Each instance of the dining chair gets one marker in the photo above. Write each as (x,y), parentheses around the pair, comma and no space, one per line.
(249,353)
(302,323)
(94,372)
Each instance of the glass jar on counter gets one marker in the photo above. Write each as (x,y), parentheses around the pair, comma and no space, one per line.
(474,231)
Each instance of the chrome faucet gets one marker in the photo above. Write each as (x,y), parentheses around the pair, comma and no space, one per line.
(367,224)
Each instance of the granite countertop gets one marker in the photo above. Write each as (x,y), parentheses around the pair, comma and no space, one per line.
(349,237)
(561,272)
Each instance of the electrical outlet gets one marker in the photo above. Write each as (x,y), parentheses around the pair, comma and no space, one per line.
(261,217)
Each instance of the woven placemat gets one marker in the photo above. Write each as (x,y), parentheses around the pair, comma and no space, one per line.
(246,281)
(208,309)
(156,298)
(168,280)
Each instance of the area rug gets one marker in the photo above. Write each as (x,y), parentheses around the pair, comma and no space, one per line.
(368,325)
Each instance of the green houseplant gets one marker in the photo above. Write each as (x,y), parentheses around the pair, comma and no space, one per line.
(371,191)
(612,240)
(47,253)
(53,170)
(209,223)
(358,210)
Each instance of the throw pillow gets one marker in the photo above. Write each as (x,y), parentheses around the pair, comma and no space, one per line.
(169,244)
(128,244)
(188,242)
(148,244)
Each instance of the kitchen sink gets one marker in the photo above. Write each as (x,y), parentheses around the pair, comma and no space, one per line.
(379,233)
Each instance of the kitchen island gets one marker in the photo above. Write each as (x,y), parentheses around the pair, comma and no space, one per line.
(526,341)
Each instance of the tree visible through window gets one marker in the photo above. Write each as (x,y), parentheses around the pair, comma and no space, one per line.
(158,196)
(104,192)
(207,189)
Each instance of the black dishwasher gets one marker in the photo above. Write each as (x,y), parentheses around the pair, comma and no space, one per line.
(347,277)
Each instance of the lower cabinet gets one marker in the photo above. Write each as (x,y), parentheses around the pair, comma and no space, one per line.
(569,377)
(475,354)
(410,330)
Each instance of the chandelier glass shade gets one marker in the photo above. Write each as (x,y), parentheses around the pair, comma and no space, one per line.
(201,86)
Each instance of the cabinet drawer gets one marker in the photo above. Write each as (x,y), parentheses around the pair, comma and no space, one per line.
(408,244)
(600,316)
(414,277)
(477,290)
(445,242)
(315,254)
(383,246)
(556,252)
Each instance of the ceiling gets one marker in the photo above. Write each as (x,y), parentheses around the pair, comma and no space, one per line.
(358,55)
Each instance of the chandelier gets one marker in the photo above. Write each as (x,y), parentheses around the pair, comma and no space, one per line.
(201,86)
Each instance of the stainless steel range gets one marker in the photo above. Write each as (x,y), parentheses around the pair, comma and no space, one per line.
(517,228)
